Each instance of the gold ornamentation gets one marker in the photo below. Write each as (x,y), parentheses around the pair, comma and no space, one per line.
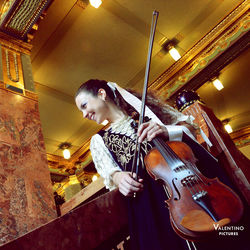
(123,147)
(30,95)
(241,137)
(82,3)
(22,17)
(5,8)
(8,66)
(12,69)
(198,57)
(15,44)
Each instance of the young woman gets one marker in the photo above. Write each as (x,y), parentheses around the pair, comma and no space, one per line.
(113,150)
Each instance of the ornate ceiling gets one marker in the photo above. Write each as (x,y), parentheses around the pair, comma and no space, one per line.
(73,42)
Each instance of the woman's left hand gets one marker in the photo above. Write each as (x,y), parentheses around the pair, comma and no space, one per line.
(149,130)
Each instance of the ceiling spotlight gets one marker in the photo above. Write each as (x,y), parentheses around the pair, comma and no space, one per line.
(174,52)
(105,122)
(94,178)
(65,147)
(228,128)
(170,47)
(217,84)
(66,153)
(95,3)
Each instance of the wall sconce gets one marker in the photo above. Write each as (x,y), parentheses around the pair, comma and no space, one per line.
(95,3)
(217,83)
(65,147)
(227,126)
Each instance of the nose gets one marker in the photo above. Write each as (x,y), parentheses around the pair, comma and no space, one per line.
(84,114)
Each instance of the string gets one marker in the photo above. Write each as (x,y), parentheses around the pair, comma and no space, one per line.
(192,182)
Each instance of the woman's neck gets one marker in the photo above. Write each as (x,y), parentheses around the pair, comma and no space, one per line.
(115,114)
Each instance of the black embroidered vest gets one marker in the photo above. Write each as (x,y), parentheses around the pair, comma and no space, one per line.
(122,148)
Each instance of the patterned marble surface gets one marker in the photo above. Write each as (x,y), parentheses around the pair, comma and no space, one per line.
(85,227)
(26,198)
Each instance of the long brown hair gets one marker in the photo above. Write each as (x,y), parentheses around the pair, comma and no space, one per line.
(166,113)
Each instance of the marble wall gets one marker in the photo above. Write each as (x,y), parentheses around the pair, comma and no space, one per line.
(26,196)
(98,224)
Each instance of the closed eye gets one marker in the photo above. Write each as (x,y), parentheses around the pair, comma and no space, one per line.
(83,105)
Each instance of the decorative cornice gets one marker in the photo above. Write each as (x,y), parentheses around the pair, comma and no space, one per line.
(27,94)
(30,95)
(18,17)
(218,40)
(15,44)
(241,137)
(81,158)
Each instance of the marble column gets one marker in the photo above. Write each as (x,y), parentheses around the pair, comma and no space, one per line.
(26,196)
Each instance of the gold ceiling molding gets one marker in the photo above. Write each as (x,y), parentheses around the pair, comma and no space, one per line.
(30,95)
(27,94)
(15,44)
(58,162)
(83,152)
(18,17)
(218,40)
(82,3)
(241,137)
(80,159)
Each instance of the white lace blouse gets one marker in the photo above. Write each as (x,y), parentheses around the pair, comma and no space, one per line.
(105,164)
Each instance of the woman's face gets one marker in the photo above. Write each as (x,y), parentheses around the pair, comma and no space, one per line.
(93,107)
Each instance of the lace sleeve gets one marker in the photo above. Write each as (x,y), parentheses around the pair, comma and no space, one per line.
(104,163)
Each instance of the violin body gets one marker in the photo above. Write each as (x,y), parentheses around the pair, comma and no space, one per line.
(197,205)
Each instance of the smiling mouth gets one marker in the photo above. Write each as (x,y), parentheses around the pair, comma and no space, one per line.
(92,117)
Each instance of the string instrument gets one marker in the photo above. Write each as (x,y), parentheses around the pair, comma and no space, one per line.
(197,205)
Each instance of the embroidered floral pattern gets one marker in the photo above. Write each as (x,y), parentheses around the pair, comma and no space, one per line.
(123,147)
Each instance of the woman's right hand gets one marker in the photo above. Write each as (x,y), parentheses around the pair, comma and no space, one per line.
(126,183)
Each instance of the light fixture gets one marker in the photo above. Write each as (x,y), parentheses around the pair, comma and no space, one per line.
(95,3)
(227,126)
(66,153)
(170,47)
(65,147)
(105,122)
(94,178)
(174,52)
(217,84)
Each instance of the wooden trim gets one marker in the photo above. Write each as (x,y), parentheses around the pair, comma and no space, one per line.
(82,196)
